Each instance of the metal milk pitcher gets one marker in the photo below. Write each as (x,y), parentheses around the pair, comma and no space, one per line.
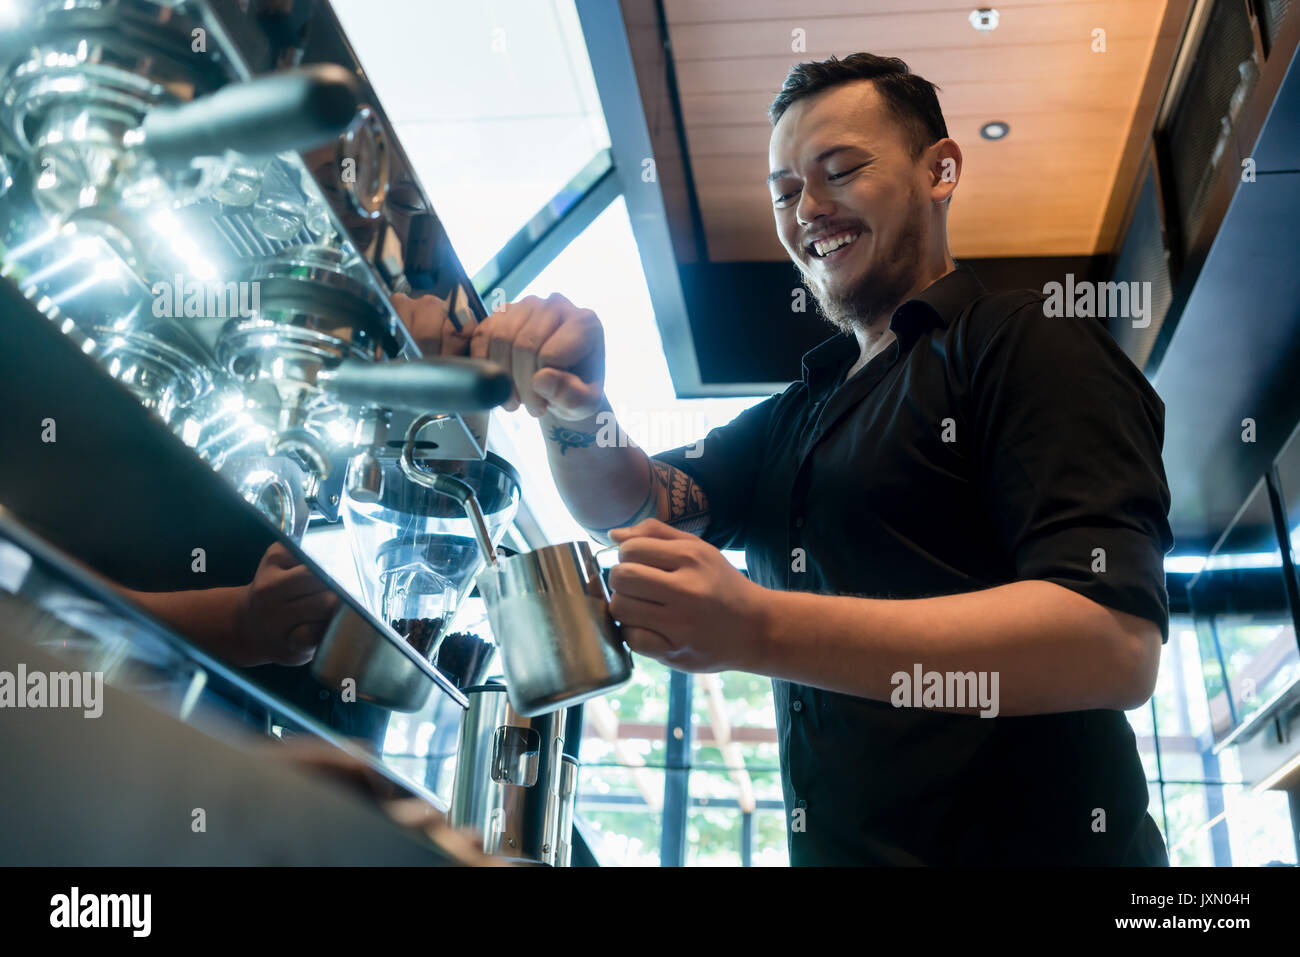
(549,613)
(548,609)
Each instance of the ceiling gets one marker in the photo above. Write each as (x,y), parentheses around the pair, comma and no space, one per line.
(1048,189)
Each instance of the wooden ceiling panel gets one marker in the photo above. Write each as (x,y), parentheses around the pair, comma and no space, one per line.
(983,162)
(1044,191)
(1059,95)
(923,29)
(710,11)
(1125,58)
(1092,129)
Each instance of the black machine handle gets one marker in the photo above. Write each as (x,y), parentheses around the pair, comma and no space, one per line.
(291,110)
(434,384)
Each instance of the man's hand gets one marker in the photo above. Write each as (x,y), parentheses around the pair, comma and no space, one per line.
(554,351)
(285,610)
(681,602)
(429,322)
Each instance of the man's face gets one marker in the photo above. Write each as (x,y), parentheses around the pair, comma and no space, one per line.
(843,173)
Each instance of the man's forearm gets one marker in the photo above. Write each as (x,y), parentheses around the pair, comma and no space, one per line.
(604,479)
(209,617)
(1053,649)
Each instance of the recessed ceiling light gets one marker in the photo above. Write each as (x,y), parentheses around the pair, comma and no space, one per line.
(996,130)
(984,19)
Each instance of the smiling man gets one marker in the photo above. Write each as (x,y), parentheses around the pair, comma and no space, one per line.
(954,523)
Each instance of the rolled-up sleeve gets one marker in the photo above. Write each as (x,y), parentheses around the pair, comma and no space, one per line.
(724,464)
(1068,446)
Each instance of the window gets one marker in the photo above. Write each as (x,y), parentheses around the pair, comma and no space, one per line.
(471,89)
(736,815)
(623,758)
(1208,816)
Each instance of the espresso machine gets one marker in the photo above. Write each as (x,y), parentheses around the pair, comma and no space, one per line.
(204,214)
(514,784)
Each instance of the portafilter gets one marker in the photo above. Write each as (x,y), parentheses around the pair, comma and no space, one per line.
(105,137)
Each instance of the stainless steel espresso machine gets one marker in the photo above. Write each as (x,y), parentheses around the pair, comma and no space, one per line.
(203,215)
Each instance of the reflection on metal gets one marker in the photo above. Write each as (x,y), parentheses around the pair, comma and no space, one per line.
(508,777)
(183,284)
(365,147)
(382,670)
(55,582)
(198,682)
(568,797)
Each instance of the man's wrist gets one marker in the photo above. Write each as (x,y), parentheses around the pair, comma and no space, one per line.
(241,628)
(576,433)
(589,424)
(770,614)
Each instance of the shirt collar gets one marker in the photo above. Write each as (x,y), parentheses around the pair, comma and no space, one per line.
(935,307)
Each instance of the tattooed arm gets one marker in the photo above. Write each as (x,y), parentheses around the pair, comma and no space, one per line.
(555,353)
(607,482)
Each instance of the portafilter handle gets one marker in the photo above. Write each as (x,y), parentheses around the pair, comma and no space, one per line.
(444,383)
(291,110)
(447,485)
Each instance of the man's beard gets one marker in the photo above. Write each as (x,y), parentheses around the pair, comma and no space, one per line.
(879,292)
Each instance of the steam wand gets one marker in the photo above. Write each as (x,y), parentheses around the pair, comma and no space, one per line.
(447,485)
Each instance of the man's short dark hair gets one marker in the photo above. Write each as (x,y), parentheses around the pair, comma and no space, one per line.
(911,98)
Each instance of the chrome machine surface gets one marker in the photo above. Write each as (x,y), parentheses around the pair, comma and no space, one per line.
(203,215)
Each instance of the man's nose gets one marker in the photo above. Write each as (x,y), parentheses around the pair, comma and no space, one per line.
(812,206)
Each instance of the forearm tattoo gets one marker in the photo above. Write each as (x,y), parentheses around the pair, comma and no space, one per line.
(688,509)
(571,439)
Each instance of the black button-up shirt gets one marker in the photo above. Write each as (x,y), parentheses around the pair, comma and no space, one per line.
(986,444)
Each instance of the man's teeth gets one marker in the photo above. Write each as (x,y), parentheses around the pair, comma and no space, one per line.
(824,246)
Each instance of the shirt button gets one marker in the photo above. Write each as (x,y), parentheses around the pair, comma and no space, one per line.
(798,522)
(324,695)
(796,705)
(803,803)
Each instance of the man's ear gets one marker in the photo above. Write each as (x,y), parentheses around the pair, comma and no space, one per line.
(945,169)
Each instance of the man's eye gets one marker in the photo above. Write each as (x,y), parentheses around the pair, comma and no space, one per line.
(780,201)
(846,172)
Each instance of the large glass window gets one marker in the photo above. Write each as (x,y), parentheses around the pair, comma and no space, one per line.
(736,814)
(494,104)
(623,757)
(1208,816)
